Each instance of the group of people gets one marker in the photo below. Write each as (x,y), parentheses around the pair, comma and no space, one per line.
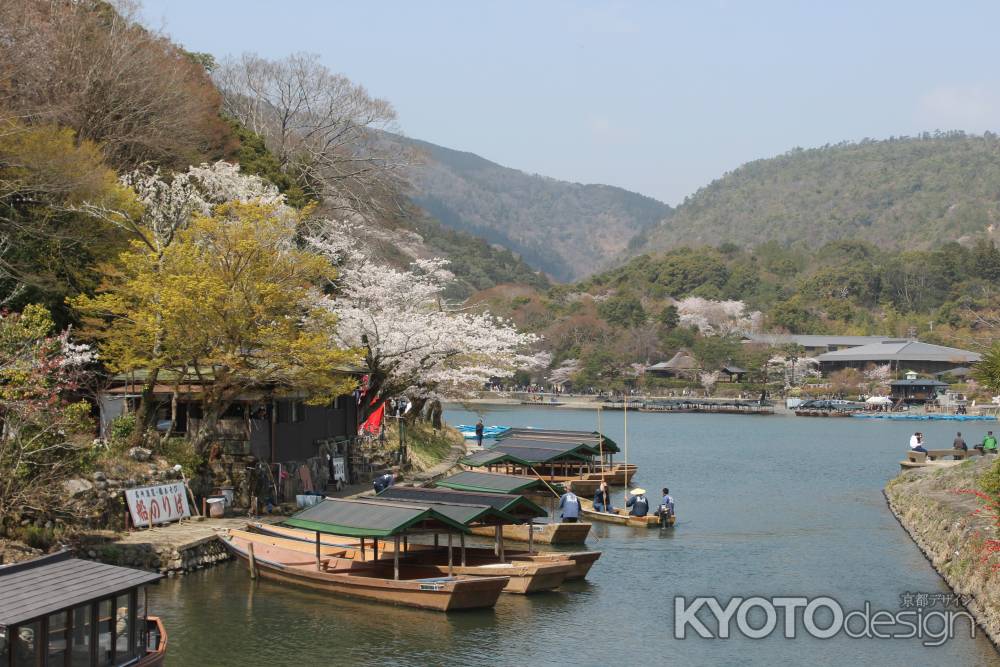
(987,446)
(635,501)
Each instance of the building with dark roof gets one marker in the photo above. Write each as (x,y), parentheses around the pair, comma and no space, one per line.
(902,355)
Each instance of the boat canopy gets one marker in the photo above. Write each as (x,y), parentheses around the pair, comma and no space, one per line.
(539,455)
(590,437)
(42,586)
(465,514)
(589,449)
(491,457)
(373,518)
(487,482)
(516,506)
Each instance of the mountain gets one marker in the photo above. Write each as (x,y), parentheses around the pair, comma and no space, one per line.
(567,230)
(903,193)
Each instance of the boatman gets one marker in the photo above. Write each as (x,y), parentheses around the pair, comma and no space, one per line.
(667,505)
(570,506)
(637,503)
(479,432)
(602,499)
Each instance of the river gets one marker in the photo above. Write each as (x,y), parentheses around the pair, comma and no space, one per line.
(766,506)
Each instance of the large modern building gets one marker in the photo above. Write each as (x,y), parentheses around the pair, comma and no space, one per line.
(902,355)
(814,343)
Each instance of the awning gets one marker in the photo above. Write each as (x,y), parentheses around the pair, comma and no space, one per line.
(490,457)
(878,400)
(568,446)
(514,505)
(486,482)
(372,518)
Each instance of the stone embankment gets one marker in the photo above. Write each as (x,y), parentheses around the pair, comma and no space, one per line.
(957,531)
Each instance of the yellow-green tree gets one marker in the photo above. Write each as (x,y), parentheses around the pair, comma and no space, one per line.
(232,303)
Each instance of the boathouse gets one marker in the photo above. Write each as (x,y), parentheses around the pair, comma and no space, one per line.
(916,390)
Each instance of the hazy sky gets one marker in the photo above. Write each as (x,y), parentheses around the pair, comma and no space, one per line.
(657,97)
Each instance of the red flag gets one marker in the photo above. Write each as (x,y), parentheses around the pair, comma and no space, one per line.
(373,424)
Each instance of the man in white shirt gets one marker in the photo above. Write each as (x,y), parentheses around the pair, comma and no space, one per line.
(917,442)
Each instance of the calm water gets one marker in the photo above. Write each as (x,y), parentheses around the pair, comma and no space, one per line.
(767,506)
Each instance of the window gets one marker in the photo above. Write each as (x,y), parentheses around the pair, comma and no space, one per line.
(124,621)
(105,628)
(57,638)
(26,644)
(140,623)
(82,638)
(298,411)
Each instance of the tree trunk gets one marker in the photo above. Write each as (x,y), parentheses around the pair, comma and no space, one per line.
(416,410)
(146,413)
(435,412)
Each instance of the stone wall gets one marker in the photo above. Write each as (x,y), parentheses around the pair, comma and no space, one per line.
(956,532)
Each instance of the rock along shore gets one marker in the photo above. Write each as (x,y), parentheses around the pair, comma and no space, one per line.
(939,511)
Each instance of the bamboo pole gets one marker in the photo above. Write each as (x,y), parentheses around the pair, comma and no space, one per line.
(625,418)
(253,561)
(318,567)
(461,540)
(395,559)
(451,568)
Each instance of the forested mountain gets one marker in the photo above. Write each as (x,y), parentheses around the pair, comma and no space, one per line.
(905,193)
(566,229)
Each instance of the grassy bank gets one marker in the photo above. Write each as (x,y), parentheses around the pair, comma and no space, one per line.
(956,526)
(427,446)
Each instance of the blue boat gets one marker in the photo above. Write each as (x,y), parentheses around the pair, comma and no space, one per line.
(469,432)
(930,417)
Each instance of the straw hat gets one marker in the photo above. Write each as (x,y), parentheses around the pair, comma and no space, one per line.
(638,492)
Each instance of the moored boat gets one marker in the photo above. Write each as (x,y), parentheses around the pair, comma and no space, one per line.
(59,610)
(389,582)
(543,533)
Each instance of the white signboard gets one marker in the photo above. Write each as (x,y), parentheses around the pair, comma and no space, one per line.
(339,471)
(151,505)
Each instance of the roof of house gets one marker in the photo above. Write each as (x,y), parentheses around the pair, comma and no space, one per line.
(918,383)
(961,371)
(510,504)
(813,340)
(48,584)
(372,518)
(901,350)
(733,369)
(487,482)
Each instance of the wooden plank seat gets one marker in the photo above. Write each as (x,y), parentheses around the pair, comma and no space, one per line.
(915,457)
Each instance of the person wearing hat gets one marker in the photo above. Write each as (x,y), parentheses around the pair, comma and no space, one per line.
(637,503)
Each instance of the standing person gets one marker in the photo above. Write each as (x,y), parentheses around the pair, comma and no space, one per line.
(667,504)
(602,499)
(917,442)
(637,502)
(570,506)
(479,432)
(959,442)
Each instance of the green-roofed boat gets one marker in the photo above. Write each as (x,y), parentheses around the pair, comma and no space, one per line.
(381,580)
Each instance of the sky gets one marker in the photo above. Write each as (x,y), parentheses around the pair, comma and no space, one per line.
(657,97)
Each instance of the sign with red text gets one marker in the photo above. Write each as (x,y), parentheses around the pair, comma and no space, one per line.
(151,505)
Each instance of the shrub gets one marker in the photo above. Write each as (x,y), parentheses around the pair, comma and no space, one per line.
(989,482)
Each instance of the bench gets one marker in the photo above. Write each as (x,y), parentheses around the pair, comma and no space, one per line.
(935,454)
(915,457)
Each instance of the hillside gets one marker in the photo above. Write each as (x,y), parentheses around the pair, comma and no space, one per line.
(905,193)
(566,229)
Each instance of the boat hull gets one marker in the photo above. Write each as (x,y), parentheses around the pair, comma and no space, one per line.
(364,581)
(157,656)
(619,516)
(543,533)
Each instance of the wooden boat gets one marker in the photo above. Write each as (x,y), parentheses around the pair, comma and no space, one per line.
(581,561)
(42,597)
(416,586)
(543,533)
(620,516)
(524,576)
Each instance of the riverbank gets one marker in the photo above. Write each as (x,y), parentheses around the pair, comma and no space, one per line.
(956,531)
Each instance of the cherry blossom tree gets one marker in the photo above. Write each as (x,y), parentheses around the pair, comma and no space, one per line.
(717,317)
(414,342)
